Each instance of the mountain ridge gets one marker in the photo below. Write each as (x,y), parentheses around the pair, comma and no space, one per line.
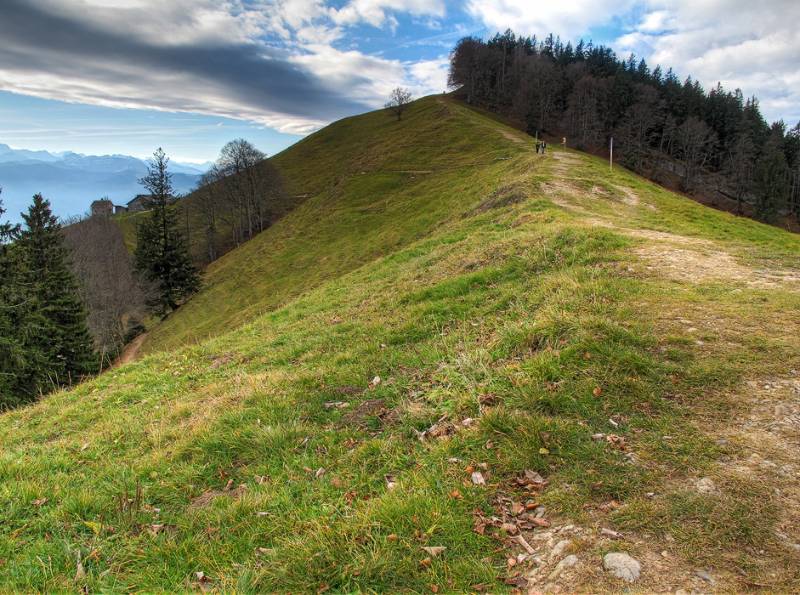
(459,365)
(73,180)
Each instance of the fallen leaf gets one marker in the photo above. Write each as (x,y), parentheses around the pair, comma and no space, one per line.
(477,478)
(510,528)
(435,550)
(336,482)
(511,562)
(434,588)
(425,562)
(375,382)
(80,573)
(39,502)
(320,472)
(456,495)
(517,508)
(544,451)
(469,469)
(335,404)
(540,522)
(533,476)
(391,483)
(392,537)
(597,391)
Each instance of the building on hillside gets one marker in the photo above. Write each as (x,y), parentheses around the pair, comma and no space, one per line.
(102,208)
(120,209)
(140,202)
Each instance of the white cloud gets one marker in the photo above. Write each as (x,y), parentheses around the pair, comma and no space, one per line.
(429,76)
(754,46)
(272,62)
(567,18)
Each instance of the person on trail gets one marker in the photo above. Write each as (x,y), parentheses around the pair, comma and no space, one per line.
(544,147)
(538,144)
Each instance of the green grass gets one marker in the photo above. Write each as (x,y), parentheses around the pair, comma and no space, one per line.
(406,277)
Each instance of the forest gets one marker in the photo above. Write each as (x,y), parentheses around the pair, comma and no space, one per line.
(710,144)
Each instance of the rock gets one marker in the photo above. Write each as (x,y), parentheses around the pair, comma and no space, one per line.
(705,485)
(567,562)
(622,566)
(705,575)
(559,548)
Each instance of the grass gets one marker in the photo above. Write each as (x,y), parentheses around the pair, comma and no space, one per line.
(252,444)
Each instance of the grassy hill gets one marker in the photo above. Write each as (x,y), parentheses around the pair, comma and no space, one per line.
(455,343)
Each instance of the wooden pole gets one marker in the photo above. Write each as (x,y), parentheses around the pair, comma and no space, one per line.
(611,155)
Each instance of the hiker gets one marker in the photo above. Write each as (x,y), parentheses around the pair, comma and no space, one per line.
(544,147)
(538,144)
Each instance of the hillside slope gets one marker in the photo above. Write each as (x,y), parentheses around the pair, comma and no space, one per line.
(373,185)
(527,360)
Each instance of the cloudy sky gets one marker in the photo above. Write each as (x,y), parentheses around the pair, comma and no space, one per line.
(124,76)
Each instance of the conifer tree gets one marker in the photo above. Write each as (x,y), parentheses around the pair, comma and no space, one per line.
(12,352)
(58,318)
(23,365)
(771,179)
(161,253)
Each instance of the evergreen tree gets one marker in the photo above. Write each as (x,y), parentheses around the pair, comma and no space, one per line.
(59,317)
(161,253)
(771,181)
(23,366)
(11,351)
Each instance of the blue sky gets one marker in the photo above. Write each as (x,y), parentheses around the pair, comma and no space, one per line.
(126,76)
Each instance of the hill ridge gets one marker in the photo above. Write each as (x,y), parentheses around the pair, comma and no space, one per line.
(513,374)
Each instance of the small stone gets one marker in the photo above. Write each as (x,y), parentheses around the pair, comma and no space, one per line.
(567,562)
(622,566)
(559,548)
(705,485)
(705,575)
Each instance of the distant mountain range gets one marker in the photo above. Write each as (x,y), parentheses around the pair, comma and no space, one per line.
(71,181)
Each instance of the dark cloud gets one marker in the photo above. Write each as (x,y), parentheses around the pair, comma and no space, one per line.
(242,79)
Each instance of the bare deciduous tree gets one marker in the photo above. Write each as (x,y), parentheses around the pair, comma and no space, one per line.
(398,101)
(241,193)
(114,297)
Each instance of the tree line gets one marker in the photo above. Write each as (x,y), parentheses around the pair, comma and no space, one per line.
(710,142)
(240,196)
(44,339)
(71,296)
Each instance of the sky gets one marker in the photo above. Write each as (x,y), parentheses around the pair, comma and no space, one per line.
(127,76)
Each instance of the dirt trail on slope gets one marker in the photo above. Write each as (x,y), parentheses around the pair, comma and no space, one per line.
(677,257)
(760,437)
(130,352)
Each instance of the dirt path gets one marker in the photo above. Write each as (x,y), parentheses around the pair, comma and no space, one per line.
(130,352)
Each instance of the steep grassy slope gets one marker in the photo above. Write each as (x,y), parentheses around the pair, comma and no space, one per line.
(375,185)
(524,316)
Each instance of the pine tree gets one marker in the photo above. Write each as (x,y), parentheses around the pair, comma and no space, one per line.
(58,316)
(771,181)
(161,253)
(11,350)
